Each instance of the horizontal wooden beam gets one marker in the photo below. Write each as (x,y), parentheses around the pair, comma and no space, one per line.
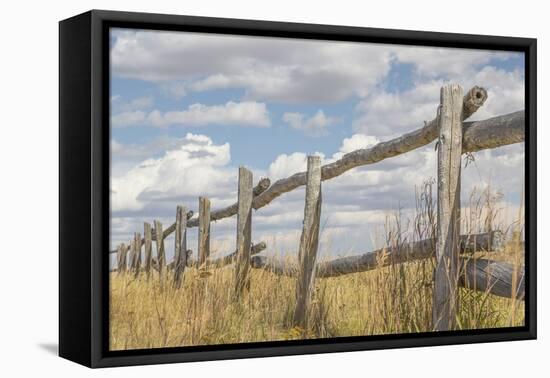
(220,262)
(498,283)
(490,133)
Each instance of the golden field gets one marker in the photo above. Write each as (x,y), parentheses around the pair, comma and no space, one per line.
(395,299)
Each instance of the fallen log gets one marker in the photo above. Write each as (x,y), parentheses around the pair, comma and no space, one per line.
(232,257)
(494,277)
(419,250)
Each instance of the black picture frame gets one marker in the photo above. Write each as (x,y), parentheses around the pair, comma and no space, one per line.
(84,192)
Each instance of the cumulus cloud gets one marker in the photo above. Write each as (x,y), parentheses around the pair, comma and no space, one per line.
(196,168)
(387,114)
(315,125)
(248,113)
(446,62)
(277,69)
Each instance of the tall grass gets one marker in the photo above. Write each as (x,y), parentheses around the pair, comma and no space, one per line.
(394,299)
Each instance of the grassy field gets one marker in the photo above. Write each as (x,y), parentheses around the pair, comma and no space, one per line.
(395,299)
(390,300)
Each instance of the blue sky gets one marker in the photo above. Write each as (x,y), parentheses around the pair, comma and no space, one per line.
(186,105)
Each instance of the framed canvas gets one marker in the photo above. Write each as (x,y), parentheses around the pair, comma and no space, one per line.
(234,188)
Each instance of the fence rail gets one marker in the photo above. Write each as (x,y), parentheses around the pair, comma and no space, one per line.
(455,137)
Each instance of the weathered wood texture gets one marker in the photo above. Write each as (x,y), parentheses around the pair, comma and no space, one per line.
(136,265)
(495,277)
(487,242)
(180,245)
(131,257)
(449,155)
(121,258)
(244,232)
(204,229)
(309,242)
(219,262)
(161,258)
(232,257)
(148,248)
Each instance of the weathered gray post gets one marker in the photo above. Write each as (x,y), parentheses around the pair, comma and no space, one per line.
(161,259)
(132,257)
(137,254)
(309,241)
(180,247)
(147,233)
(448,208)
(121,258)
(204,229)
(244,232)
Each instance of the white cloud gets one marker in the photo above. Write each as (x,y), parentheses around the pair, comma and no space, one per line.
(445,62)
(315,125)
(232,113)
(197,167)
(277,69)
(285,165)
(358,141)
(248,113)
(390,114)
(131,118)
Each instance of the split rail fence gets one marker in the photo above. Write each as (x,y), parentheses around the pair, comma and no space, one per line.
(454,138)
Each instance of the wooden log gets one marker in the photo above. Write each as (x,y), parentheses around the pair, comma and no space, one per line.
(445,295)
(418,138)
(492,241)
(232,257)
(180,247)
(147,233)
(495,277)
(132,257)
(244,233)
(492,277)
(494,132)
(204,229)
(423,249)
(161,258)
(137,253)
(121,258)
(309,242)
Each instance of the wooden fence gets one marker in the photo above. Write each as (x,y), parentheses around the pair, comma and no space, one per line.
(452,270)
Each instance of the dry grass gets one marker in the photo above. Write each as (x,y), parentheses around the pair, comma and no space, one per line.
(391,300)
(395,299)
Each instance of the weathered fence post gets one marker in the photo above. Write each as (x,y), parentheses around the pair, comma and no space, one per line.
(448,208)
(244,232)
(309,241)
(147,233)
(132,256)
(204,229)
(161,259)
(180,247)
(137,254)
(121,258)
